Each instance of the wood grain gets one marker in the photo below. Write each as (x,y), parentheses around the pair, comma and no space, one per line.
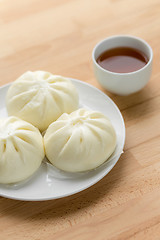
(58,36)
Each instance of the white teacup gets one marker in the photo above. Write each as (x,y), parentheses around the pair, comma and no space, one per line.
(122,83)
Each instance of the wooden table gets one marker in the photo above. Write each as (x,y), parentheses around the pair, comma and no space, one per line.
(58,36)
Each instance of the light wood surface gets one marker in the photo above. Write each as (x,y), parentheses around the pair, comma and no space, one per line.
(58,36)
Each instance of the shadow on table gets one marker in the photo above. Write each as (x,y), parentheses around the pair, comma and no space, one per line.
(133,100)
(64,208)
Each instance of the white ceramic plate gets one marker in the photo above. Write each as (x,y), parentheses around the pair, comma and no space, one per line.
(48,183)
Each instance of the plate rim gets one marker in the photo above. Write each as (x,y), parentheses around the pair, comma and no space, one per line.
(97,179)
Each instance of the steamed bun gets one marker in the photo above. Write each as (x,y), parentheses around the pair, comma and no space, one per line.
(40,98)
(79,141)
(21,150)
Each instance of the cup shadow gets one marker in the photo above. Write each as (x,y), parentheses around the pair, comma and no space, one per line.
(135,105)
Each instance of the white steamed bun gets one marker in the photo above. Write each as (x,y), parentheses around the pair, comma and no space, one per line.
(80,141)
(21,150)
(40,98)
